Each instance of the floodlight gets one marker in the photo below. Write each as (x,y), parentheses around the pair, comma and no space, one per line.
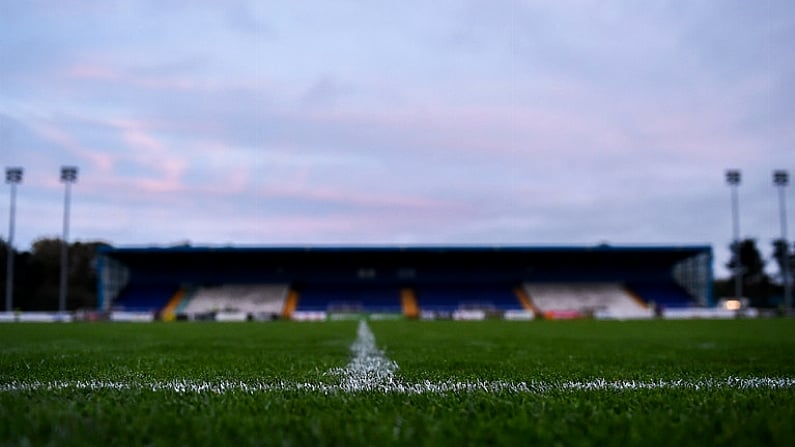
(781,179)
(13,178)
(733,177)
(68,176)
(14,175)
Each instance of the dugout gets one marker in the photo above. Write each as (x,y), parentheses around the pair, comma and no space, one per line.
(401,279)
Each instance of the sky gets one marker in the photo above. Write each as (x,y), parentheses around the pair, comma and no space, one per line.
(398,123)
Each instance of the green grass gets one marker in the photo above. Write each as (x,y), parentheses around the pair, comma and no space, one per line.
(575,350)
(552,352)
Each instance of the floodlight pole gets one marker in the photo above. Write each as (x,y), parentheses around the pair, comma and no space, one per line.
(13,178)
(781,179)
(68,176)
(733,178)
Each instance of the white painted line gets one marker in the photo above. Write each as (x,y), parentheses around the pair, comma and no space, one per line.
(370,369)
(426,387)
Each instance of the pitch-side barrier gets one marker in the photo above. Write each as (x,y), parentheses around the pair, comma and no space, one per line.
(36,317)
(319,316)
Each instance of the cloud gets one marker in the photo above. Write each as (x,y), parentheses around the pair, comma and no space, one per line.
(324,93)
(242,17)
(520,122)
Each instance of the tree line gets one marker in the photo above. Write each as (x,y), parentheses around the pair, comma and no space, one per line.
(762,289)
(37,275)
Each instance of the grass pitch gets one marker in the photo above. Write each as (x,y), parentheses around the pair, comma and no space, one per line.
(274,384)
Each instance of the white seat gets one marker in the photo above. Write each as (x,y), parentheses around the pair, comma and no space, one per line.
(248,298)
(607,299)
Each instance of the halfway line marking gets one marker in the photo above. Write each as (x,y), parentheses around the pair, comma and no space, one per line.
(370,368)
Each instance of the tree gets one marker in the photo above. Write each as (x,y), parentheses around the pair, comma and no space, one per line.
(19,265)
(37,275)
(756,283)
(83,274)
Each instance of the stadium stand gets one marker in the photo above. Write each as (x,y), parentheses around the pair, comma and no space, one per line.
(145,297)
(349,298)
(588,299)
(414,281)
(252,299)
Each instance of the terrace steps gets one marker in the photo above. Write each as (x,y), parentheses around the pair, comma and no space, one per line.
(189,292)
(169,312)
(290,304)
(408,300)
(635,297)
(524,299)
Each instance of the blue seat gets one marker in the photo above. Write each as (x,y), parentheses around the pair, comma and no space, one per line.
(325,297)
(663,294)
(450,297)
(145,297)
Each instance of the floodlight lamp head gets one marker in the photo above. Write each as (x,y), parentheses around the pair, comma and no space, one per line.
(780,178)
(68,174)
(14,175)
(733,177)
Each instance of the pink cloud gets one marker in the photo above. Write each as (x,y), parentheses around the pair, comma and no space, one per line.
(101,161)
(370,226)
(145,147)
(675,132)
(339,195)
(103,73)
(136,135)
(92,72)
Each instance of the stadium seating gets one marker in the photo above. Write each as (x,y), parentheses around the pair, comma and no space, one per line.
(664,295)
(145,297)
(253,299)
(415,281)
(349,298)
(599,299)
(452,297)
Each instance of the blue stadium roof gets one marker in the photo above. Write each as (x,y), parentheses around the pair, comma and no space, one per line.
(329,258)
(409,248)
